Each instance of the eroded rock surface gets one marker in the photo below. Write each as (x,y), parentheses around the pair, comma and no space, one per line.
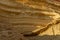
(25,15)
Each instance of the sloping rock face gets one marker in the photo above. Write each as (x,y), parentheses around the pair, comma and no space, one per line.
(27,14)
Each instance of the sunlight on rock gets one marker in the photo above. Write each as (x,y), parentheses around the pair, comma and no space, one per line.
(53,30)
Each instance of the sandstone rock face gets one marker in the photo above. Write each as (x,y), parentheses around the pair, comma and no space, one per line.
(26,13)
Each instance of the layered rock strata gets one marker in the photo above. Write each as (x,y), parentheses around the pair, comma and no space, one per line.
(28,12)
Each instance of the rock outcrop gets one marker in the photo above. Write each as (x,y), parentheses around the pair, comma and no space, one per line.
(26,13)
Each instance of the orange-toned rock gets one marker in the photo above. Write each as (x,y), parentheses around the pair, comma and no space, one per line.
(28,13)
